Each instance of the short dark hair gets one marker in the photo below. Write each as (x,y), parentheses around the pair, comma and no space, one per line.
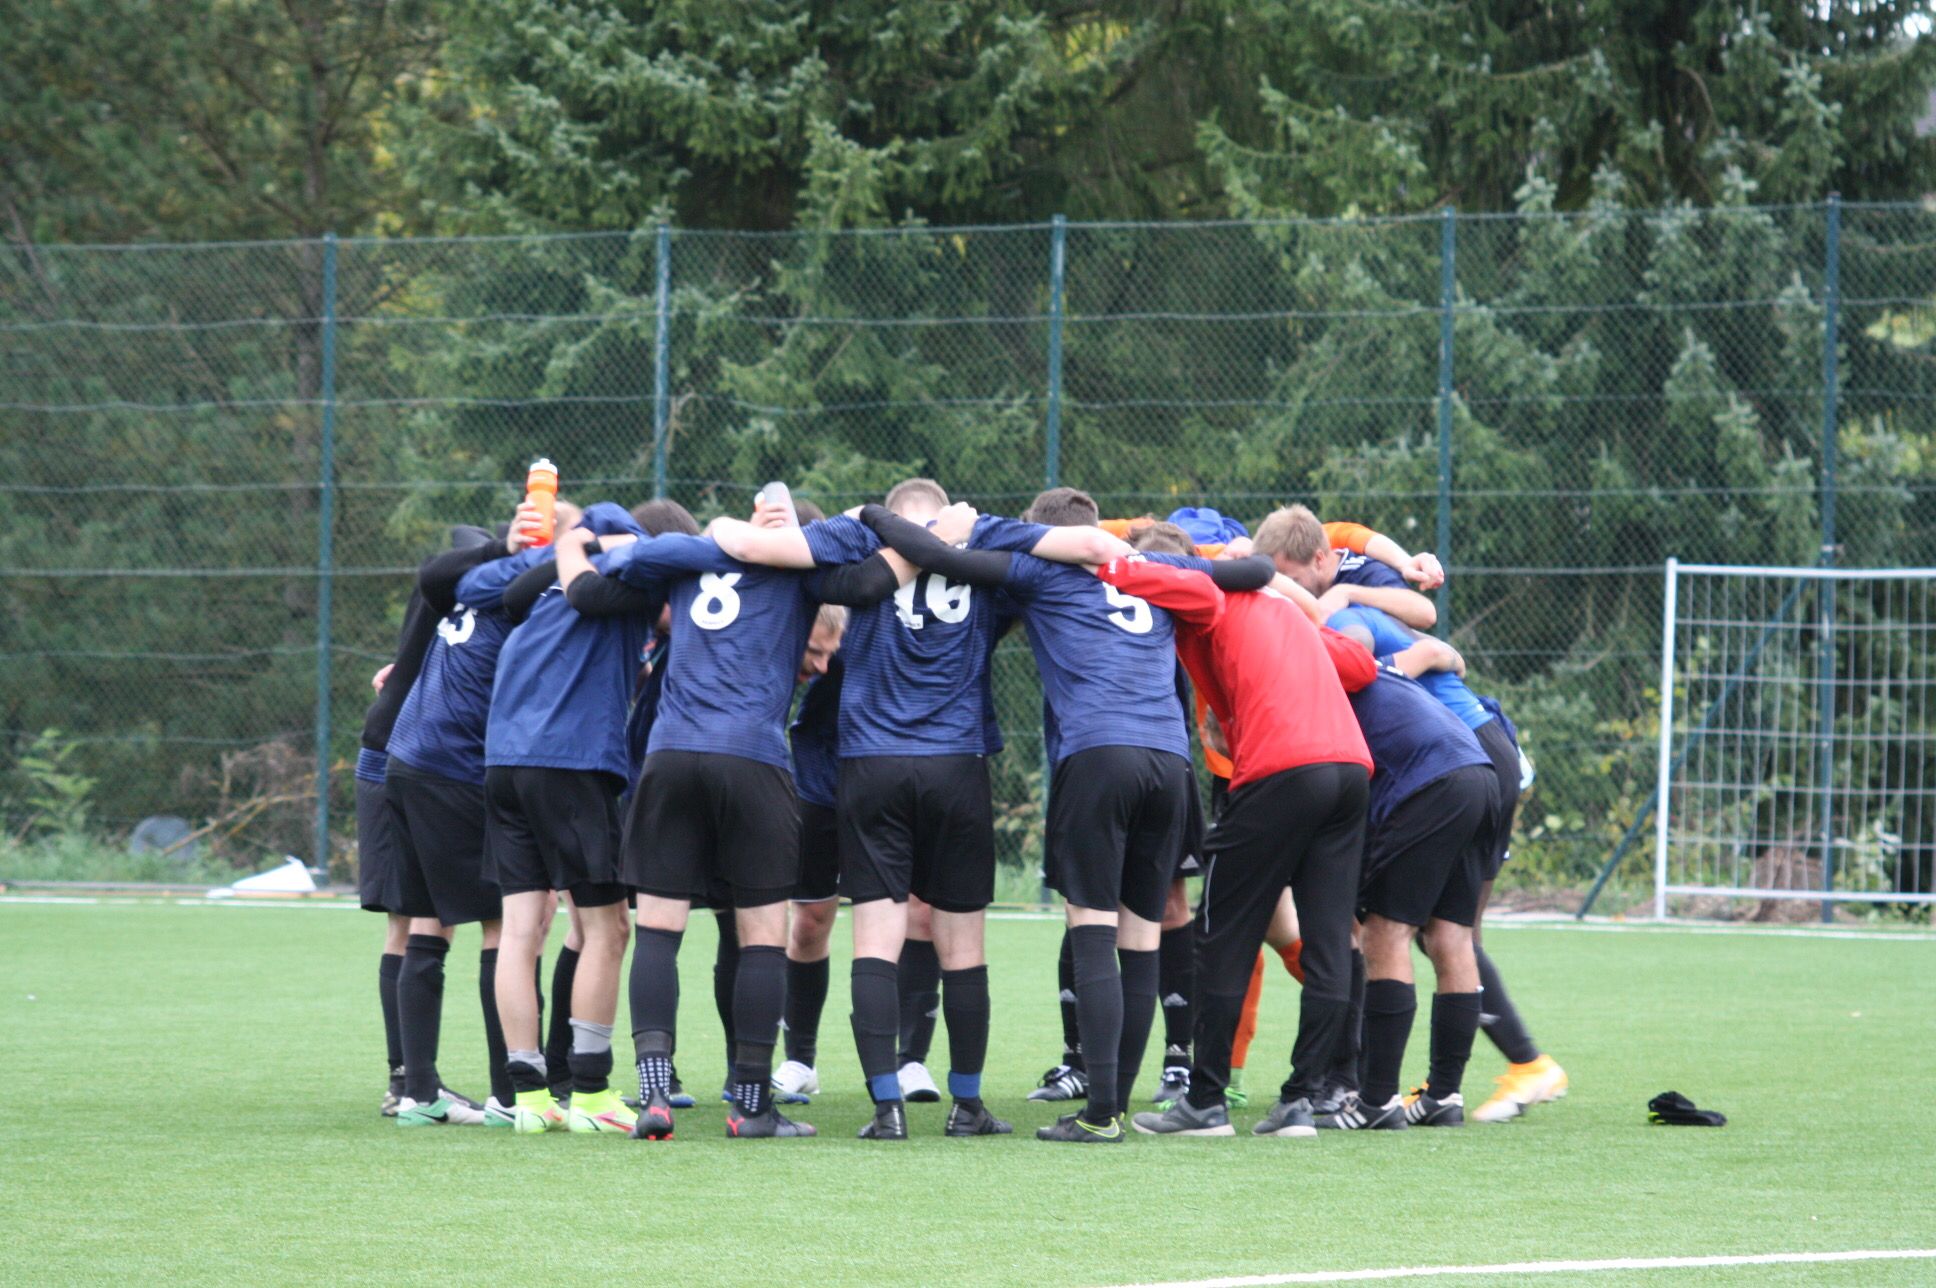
(1063,507)
(1163,537)
(663,516)
(808,511)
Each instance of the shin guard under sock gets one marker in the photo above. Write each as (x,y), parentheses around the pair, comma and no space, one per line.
(726,975)
(1099,1014)
(1065,982)
(806,1000)
(652,990)
(759,999)
(876,989)
(920,999)
(420,1009)
(1139,970)
(388,966)
(1455,1019)
(1390,1005)
(964,1004)
(1176,989)
(493,1026)
(557,1051)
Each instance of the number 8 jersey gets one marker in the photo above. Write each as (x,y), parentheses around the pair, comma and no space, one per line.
(740,630)
(917,664)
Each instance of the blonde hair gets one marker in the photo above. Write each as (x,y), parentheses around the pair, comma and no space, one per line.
(1292,533)
(1164,538)
(831,617)
(910,488)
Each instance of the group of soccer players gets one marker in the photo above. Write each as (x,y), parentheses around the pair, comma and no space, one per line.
(603,720)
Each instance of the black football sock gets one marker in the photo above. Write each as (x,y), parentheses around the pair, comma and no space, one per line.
(537,986)
(1390,1005)
(806,999)
(557,1050)
(876,1019)
(1455,1018)
(1099,1007)
(1065,982)
(493,1026)
(653,991)
(1499,1017)
(726,976)
(420,1007)
(591,1057)
(964,1003)
(388,965)
(1176,989)
(1345,1073)
(920,998)
(759,999)
(1140,970)
(526,1069)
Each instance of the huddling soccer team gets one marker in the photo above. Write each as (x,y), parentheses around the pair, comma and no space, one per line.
(604,720)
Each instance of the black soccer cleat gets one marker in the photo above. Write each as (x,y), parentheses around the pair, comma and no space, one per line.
(678,1095)
(655,1118)
(768,1124)
(1075,1130)
(1289,1119)
(1356,1114)
(1174,1086)
(1181,1118)
(1422,1110)
(1062,1082)
(890,1122)
(971,1118)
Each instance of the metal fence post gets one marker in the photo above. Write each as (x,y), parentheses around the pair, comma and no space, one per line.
(1052,436)
(325,551)
(1825,636)
(661,360)
(1664,780)
(1448,247)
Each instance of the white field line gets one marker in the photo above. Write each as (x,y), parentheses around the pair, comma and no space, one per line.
(1548,1268)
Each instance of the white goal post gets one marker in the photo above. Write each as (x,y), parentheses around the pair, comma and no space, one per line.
(1797,735)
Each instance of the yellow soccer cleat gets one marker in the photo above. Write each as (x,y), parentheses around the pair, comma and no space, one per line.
(599,1111)
(536,1112)
(1521,1085)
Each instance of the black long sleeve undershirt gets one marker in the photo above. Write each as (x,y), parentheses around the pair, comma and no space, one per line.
(856,585)
(930,553)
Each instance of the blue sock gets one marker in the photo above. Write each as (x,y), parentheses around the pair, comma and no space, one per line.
(964,1086)
(883,1087)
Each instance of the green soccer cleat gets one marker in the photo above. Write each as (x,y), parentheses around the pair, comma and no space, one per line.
(436,1113)
(535,1113)
(496,1114)
(599,1111)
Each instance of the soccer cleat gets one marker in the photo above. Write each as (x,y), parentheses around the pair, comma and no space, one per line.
(496,1114)
(598,1111)
(1522,1085)
(1234,1095)
(536,1112)
(1289,1119)
(1073,1129)
(677,1095)
(917,1088)
(890,1122)
(1421,1110)
(769,1123)
(1185,1119)
(971,1118)
(1174,1086)
(459,1098)
(1353,1114)
(436,1113)
(1063,1082)
(654,1118)
(393,1095)
(794,1082)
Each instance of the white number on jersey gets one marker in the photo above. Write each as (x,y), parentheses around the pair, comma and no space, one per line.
(718,604)
(1132,614)
(457,632)
(947,601)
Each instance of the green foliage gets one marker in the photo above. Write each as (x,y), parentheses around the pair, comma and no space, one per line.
(51,794)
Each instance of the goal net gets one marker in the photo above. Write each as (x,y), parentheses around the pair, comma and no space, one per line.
(1796,732)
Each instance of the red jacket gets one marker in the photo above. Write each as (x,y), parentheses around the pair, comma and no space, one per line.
(1276,681)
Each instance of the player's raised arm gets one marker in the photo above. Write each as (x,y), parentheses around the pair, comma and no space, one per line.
(1184,592)
(1080,545)
(672,554)
(930,553)
(775,547)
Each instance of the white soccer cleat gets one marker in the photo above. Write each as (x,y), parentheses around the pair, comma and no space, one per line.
(917,1088)
(793,1082)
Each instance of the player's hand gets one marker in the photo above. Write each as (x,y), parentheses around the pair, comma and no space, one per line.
(578,538)
(1238,548)
(1424,571)
(613,542)
(768,515)
(526,524)
(377,680)
(956,523)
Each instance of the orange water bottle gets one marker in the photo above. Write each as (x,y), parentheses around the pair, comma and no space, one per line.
(541,490)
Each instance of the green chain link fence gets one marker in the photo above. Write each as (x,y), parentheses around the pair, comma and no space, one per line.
(219,462)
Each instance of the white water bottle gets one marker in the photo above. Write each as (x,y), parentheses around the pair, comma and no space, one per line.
(776,493)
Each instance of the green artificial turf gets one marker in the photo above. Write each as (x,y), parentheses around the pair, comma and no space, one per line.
(194,1100)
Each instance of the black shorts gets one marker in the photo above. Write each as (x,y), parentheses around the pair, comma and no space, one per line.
(1189,859)
(442,825)
(920,825)
(1497,743)
(553,829)
(1425,860)
(716,829)
(1115,826)
(379,850)
(819,855)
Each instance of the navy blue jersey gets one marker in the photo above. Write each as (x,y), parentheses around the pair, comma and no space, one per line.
(645,702)
(1389,637)
(917,664)
(1414,739)
(372,766)
(1363,570)
(816,735)
(563,680)
(741,629)
(441,727)
(1107,660)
